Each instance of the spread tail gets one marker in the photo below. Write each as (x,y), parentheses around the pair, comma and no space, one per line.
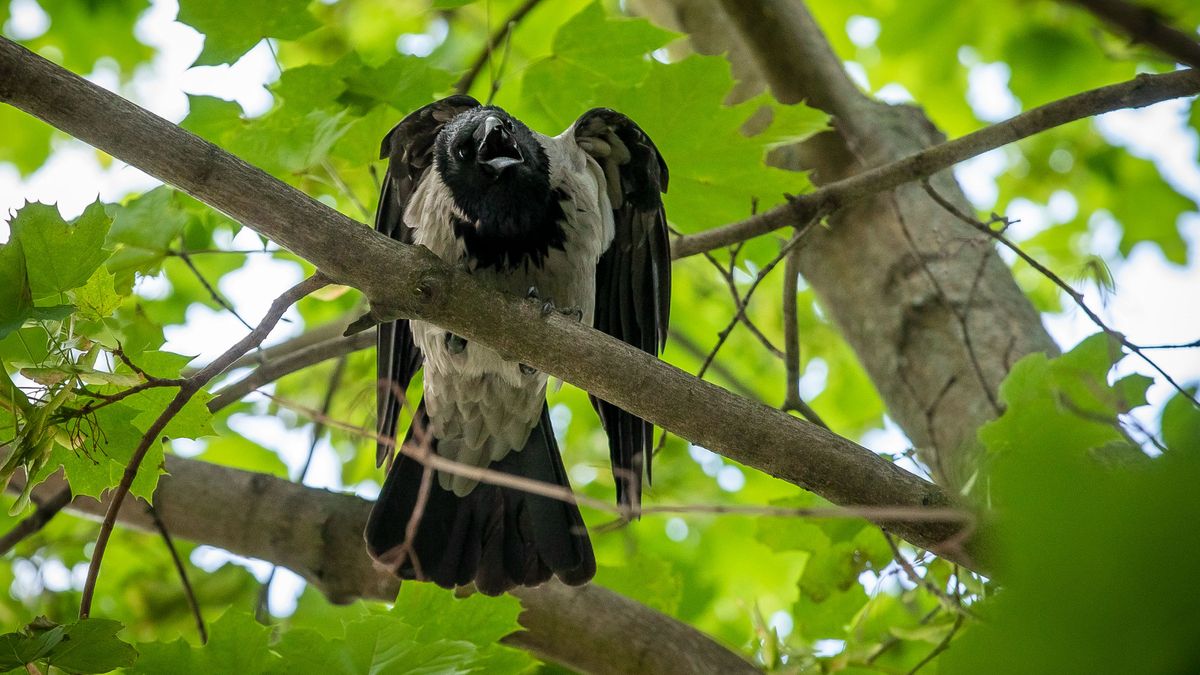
(498,537)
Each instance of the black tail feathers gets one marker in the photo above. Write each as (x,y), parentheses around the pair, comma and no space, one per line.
(497,537)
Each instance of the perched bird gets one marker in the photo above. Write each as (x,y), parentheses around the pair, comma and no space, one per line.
(575,219)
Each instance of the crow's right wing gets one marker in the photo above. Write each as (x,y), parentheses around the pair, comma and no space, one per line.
(409,150)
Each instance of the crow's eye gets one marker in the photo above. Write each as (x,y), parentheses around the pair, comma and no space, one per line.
(461,152)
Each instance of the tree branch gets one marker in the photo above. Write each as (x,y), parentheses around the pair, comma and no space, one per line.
(468,78)
(286,362)
(410,281)
(1145,25)
(1139,92)
(318,534)
(187,390)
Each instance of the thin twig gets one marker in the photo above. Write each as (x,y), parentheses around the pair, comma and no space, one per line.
(791,339)
(186,391)
(188,592)
(345,188)
(1075,295)
(274,368)
(941,646)
(740,303)
(1186,345)
(468,78)
(919,580)
(960,314)
(44,513)
(723,335)
(212,291)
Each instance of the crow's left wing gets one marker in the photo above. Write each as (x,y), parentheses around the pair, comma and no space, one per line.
(633,279)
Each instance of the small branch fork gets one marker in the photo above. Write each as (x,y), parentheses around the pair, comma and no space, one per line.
(1075,295)
(187,390)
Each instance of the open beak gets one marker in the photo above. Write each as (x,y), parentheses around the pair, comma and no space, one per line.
(497,148)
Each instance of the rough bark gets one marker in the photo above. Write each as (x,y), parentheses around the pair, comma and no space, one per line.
(318,535)
(411,281)
(895,272)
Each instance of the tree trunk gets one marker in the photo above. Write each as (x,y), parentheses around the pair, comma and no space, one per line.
(932,312)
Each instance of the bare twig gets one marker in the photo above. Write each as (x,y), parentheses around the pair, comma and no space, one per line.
(275,367)
(188,592)
(941,646)
(45,511)
(1185,345)
(186,391)
(791,338)
(1075,295)
(345,188)
(739,302)
(1141,91)
(741,305)
(1146,25)
(468,78)
(961,314)
(212,292)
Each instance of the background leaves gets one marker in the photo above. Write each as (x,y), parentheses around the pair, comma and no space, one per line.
(804,595)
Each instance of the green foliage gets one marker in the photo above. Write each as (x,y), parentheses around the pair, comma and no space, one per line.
(85,306)
(428,630)
(1066,402)
(231,28)
(86,646)
(1084,564)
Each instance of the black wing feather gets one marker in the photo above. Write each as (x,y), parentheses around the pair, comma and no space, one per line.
(409,150)
(633,278)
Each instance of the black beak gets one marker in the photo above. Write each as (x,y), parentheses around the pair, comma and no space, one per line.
(497,148)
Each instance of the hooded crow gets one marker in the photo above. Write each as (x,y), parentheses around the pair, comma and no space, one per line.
(575,218)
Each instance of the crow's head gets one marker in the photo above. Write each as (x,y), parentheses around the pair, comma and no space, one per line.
(491,162)
(499,177)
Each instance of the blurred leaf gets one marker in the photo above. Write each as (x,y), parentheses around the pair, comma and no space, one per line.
(1181,424)
(143,230)
(231,27)
(26,140)
(16,301)
(650,581)
(243,453)
(1069,549)
(75,27)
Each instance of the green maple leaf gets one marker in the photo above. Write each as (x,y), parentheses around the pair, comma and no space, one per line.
(232,27)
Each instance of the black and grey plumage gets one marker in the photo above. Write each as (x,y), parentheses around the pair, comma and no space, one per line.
(579,218)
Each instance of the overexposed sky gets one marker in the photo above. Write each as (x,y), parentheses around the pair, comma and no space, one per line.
(1155,301)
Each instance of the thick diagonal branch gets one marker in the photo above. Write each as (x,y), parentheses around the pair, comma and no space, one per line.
(409,281)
